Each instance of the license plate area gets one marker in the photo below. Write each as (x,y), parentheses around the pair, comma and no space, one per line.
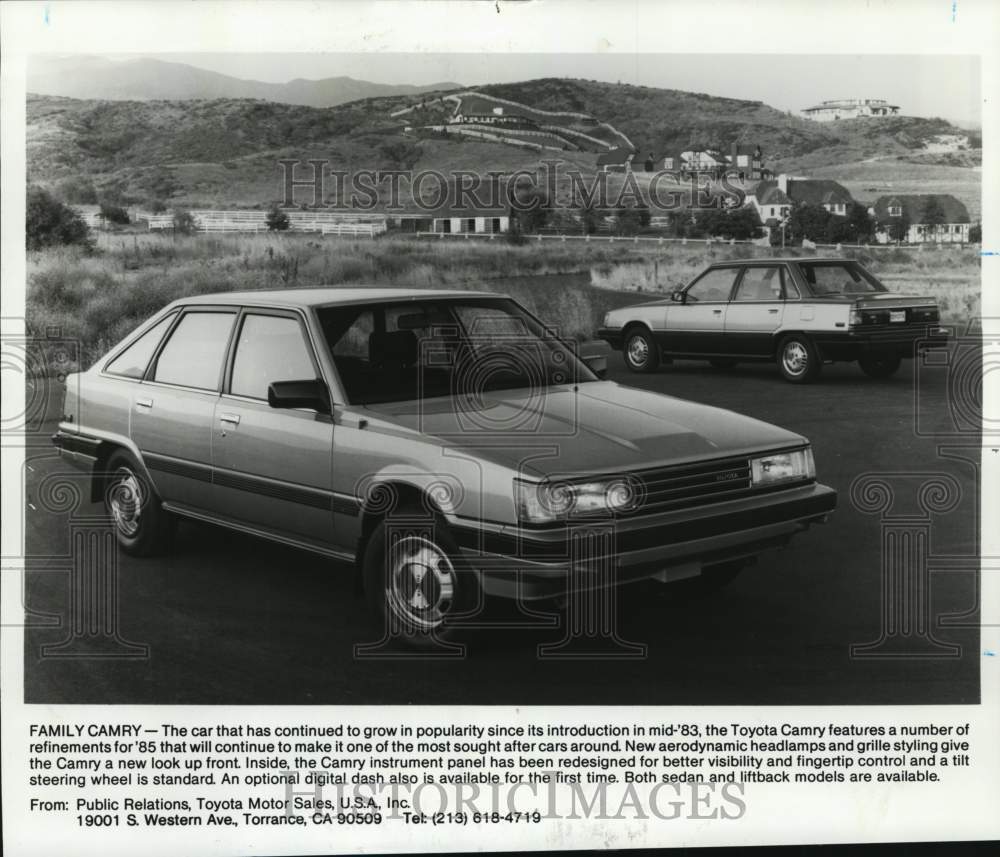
(897,315)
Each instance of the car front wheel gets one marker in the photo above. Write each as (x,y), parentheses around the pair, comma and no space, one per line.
(142,526)
(641,352)
(798,361)
(880,366)
(415,581)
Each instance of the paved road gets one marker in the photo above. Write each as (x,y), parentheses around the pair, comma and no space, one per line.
(230,619)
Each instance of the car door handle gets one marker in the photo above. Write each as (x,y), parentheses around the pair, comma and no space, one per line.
(230,418)
(773,311)
(716,312)
(144,403)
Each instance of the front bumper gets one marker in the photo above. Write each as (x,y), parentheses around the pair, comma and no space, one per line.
(519,562)
(612,335)
(902,342)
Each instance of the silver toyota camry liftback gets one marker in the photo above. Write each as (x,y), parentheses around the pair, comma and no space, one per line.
(446,444)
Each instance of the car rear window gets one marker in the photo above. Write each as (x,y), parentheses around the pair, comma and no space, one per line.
(193,355)
(838,278)
(132,362)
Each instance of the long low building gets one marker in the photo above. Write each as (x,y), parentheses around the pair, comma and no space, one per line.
(850,108)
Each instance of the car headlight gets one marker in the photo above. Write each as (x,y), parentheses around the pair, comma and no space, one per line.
(545,502)
(796,466)
(609,319)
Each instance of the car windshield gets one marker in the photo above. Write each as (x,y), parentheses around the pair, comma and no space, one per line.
(389,352)
(831,279)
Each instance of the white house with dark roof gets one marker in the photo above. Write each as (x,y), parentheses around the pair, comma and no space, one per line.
(911,211)
(833,196)
(771,203)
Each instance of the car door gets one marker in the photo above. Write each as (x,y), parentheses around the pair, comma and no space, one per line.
(272,466)
(173,407)
(696,325)
(756,311)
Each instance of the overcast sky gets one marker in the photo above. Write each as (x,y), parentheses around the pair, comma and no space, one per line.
(922,85)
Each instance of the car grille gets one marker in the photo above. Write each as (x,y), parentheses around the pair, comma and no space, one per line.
(693,484)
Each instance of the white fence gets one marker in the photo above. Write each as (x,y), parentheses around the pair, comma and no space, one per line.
(693,242)
(321,222)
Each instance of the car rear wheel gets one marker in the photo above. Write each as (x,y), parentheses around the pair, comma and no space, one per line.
(880,366)
(142,526)
(415,581)
(640,351)
(797,359)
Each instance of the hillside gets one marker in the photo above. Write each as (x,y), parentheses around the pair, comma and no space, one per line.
(223,152)
(100,79)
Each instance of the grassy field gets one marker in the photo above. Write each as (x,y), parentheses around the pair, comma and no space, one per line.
(96,298)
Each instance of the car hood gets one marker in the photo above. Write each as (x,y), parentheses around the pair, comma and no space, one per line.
(594,428)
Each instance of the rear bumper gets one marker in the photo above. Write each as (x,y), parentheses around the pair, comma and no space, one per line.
(529,564)
(905,342)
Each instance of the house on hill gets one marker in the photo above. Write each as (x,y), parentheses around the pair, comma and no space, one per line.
(937,218)
(850,108)
(618,160)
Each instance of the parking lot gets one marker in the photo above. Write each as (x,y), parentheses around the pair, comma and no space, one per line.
(230,619)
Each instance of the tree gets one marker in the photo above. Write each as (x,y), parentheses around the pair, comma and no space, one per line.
(48,222)
(809,222)
(276,219)
(627,221)
(531,210)
(114,214)
(898,228)
(184,222)
(976,233)
(590,218)
(862,225)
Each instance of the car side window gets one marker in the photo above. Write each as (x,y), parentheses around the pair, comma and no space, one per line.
(269,348)
(716,285)
(193,355)
(132,362)
(760,284)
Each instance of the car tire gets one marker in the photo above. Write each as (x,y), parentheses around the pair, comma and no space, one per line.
(415,581)
(880,366)
(640,350)
(723,363)
(798,359)
(142,526)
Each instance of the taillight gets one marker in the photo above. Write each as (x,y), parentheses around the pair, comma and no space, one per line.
(855,317)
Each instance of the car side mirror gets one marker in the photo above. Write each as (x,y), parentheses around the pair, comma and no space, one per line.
(299,394)
(678,297)
(598,364)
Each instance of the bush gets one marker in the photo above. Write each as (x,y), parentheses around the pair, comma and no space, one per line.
(157,206)
(114,214)
(976,233)
(48,222)
(276,219)
(184,222)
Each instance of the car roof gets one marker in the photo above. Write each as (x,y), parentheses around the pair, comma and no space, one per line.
(326,296)
(737,263)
